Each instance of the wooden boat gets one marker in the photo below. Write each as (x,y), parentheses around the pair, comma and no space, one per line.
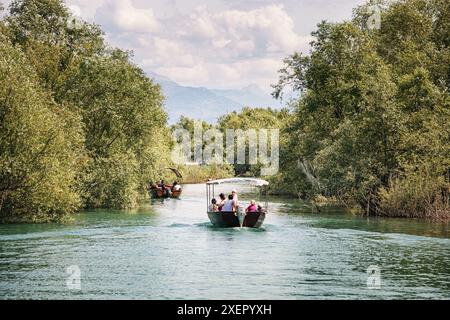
(239,219)
(157,192)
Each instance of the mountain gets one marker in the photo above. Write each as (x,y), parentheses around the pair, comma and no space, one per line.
(249,96)
(208,104)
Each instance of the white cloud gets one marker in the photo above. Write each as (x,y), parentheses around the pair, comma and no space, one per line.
(244,33)
(220,43)
(212,43)
(74,10)
(123,16)
(164,52)
(216,74)
(200,24)
(229,48)
(202,43)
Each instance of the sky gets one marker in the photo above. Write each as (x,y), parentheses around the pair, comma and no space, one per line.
(220,44)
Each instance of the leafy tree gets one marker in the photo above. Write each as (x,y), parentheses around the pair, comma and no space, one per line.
(41,145)
(112,114)
(51,41)
(252,118)
(203,172)
(125,125)
(188,124)
(373,109)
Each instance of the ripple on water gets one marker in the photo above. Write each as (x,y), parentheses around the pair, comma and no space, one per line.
(172,251)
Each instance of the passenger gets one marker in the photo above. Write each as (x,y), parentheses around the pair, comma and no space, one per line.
(235,197)
(166,191)
(221,201)
(261,208)
(229,206)
(252,207)
(176,187)
(213,206)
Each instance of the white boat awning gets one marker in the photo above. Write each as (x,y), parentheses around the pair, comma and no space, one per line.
(247,181)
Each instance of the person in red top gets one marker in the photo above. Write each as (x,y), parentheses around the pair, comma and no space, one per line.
(252,207)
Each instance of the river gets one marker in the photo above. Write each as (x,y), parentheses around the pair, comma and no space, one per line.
(169,250)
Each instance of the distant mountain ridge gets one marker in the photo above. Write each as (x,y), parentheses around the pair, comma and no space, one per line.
(208,104)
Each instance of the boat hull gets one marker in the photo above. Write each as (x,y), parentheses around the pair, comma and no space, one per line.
(158,193)
(232,220)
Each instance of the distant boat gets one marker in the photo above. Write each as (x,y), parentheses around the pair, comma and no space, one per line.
(240,218)
(157,192)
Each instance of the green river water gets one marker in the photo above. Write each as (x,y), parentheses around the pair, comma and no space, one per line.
(169,250)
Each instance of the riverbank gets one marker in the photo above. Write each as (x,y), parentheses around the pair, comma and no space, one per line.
(392,209)
(318,204)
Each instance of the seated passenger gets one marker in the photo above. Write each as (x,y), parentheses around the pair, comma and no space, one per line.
(221,201)
(213,206)
(166,191)
(252,207)
(229,206)
(261,208)
(176,186)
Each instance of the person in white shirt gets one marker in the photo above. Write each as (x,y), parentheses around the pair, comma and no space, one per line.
(176,186)
(229,206)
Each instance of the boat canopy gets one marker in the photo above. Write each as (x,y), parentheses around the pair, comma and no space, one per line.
(248,181)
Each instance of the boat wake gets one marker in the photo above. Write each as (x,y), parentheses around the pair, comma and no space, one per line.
(209,226)
(179,225)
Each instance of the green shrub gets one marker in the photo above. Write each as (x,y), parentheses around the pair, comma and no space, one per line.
(417,194)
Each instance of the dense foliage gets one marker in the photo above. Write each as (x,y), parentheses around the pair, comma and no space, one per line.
(252,118)
(194,173)
(81,126)
(238,122)
(41,144)
(371,125)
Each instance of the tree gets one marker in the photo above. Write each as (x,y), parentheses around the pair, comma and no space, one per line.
(110,110)
(373,105)
(125,126)
(41,145)
(252,118)
(47,36)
